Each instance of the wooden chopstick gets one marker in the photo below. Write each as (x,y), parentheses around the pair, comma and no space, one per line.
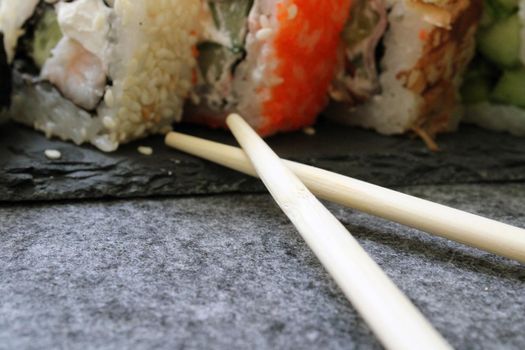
(437,219)
(393,318)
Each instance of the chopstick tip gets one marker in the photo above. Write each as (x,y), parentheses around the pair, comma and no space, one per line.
(232,117)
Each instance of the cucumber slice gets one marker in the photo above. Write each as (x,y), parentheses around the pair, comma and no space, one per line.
(510,89)
(501,42)
(231,16)
(46,37)
(215,60)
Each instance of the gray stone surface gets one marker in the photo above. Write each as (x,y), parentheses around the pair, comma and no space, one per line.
(469,156)
(230,272)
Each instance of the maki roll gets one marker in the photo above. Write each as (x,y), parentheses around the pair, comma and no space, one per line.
(494,89)
(402,65)
(100,71)
(270,60)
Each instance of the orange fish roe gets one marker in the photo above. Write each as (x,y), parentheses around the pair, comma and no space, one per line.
(423,35)
(305,45)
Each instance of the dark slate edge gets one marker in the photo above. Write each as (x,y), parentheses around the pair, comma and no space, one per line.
(471,156)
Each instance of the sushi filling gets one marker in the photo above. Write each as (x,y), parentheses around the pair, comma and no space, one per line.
(49,50)
(497,75)
(221,49)
(257,58)
(359,80)
(46,37)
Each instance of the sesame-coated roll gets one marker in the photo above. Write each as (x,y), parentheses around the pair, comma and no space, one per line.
(103,72)
(271,61)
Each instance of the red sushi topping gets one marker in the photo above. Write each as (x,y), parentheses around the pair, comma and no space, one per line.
(306,45)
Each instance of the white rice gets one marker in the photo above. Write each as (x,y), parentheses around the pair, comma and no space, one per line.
(258,69)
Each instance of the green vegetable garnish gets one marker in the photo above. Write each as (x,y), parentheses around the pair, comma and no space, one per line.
(231,16)
(510,89)
(46,37)
(362,25)
(501,42)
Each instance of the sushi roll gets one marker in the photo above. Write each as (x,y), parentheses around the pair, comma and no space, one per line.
(402,65)
(270,60)
(103,72)
(494,89)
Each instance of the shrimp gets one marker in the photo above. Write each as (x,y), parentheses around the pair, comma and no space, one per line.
(77,73)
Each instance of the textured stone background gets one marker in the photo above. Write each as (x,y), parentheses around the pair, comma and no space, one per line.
(230,272)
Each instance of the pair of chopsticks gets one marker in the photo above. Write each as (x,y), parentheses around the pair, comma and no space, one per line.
(469,229)
(392,317)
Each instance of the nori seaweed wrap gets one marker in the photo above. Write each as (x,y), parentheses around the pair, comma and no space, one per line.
(5,78)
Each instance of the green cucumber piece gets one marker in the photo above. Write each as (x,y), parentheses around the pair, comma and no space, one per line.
(231,16)
(46,37)
(510,89)
(363,22)
(215,59)
(500,43)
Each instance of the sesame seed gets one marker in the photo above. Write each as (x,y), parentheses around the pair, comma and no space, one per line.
(309,131)
(53,154)
(337,95)
(264,21)
(274,81)
(109,99)
(292,11)
(147,151)
(263,34)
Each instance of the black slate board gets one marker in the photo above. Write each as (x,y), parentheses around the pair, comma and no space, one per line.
(470,156)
